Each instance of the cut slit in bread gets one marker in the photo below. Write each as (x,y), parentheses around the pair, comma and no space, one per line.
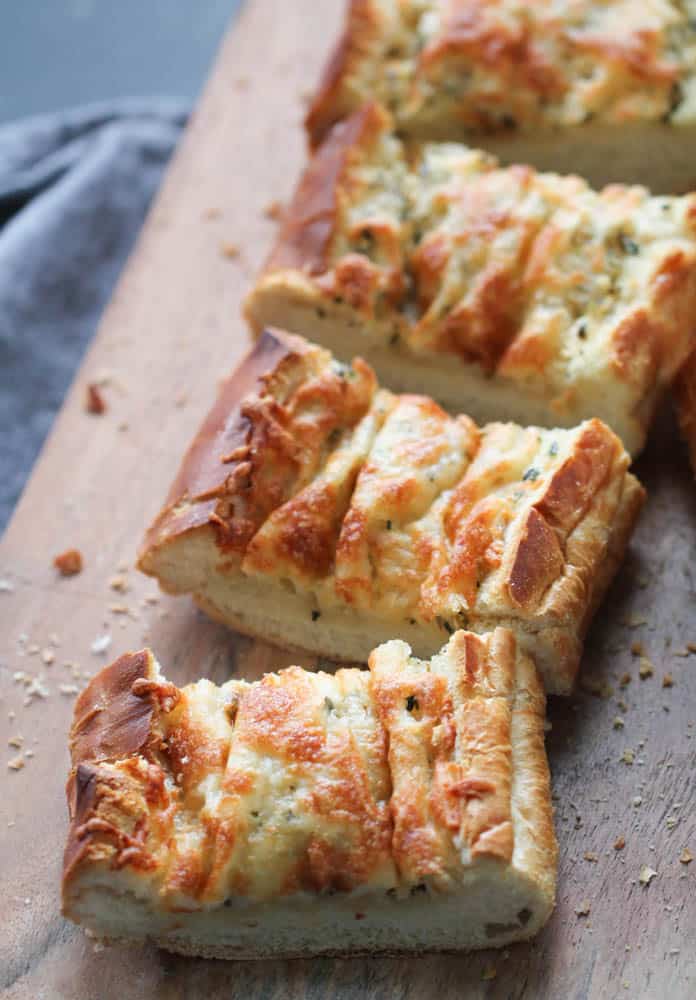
(405,808)
(316,510)
(500,292)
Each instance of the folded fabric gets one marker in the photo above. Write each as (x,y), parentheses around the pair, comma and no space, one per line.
(74,189)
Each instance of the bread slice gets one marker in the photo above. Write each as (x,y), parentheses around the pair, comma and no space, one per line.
(316,510)
(500,292)
(604,88)
(405,808)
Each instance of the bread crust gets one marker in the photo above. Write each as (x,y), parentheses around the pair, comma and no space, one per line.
(166,818)
(386,513)
(435,262)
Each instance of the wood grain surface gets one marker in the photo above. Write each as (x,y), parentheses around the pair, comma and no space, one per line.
(622,757)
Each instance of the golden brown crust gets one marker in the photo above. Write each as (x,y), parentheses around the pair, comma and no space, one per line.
(261,439)
(111,722)
(309,225)
(202,474)
(115,720)
(330,103)
(304,782)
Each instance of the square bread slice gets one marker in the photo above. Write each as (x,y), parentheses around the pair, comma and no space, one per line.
(603,88)
(404,808)
(316,510)
(501,292)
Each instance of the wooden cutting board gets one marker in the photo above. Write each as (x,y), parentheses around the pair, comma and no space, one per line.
(171,330)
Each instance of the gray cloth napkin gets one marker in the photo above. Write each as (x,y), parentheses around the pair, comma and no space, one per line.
(74,189)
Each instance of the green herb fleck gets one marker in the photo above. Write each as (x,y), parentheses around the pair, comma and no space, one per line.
(628,245)
(412,703)
(531,475)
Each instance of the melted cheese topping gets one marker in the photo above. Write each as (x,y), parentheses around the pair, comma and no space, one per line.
(398,779)
(501,65)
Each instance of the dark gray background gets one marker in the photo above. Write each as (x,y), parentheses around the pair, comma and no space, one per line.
(58,53)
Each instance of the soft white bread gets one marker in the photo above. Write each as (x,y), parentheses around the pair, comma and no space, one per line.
(405,808)
(603,88)
(501,292)
(316,510)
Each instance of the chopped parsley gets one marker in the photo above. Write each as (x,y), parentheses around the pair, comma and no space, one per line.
(412,703)
(628,245)
(531,475)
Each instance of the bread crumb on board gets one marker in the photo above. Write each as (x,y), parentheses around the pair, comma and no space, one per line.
(647,874)
(583,910)
(274,210)
(230,250)
(94,400)
(100,644)
(645,668)
(69,563)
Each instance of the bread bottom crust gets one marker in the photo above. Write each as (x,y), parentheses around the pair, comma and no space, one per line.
(493,910)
